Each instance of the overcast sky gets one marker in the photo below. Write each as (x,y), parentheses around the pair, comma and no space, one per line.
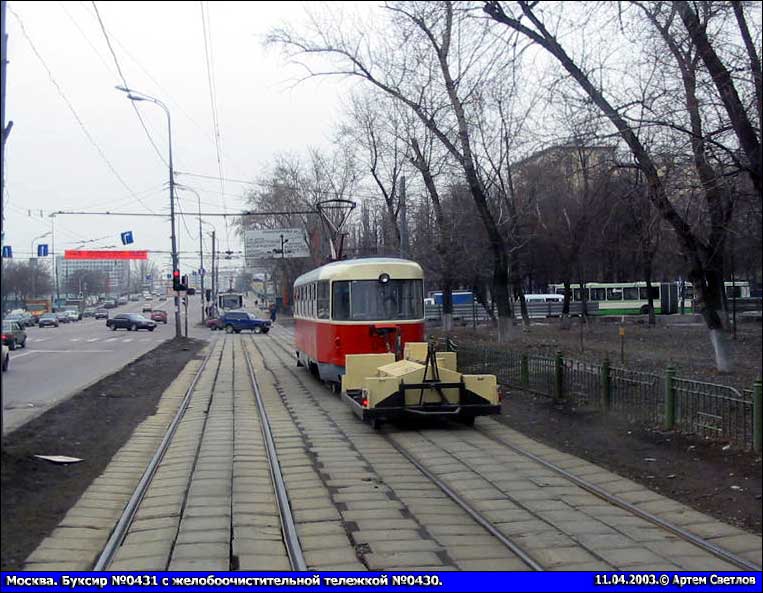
(52,164)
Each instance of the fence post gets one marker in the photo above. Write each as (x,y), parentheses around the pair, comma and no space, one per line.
(558,377)
(524,369)
(670,398)
(605,385)
(757,416)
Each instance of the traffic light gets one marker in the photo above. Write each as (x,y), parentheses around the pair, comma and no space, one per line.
(176,280)
(184,282)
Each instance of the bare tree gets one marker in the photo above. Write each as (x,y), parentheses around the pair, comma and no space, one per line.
(704,256)
(435,78)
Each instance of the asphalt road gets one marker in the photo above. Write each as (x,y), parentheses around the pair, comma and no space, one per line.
(59,362)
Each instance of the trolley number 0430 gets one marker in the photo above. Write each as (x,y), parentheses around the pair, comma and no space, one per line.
(631,579)
(141,580)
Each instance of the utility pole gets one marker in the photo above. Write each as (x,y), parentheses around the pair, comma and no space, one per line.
(201,265)
(403,220)
(5,130)
(214,268)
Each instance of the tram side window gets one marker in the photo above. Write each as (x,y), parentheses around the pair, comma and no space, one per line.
(597,294)
(630,293)
(341,304)
(323,299)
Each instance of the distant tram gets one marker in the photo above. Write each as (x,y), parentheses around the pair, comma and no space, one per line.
(230,300)
(362,306)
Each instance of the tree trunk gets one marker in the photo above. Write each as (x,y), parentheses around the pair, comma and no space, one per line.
(564,319)
(708,286)
(649,294)
(516,284)
(447,301)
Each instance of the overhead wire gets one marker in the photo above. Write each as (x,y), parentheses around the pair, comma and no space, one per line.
(207,30)
(124,82)
(70,105)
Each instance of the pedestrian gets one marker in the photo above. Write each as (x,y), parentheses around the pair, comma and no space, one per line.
(272,313)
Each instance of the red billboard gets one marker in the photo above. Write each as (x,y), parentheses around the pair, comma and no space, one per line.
(103,254)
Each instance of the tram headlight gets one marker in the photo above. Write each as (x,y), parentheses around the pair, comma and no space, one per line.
(384,278)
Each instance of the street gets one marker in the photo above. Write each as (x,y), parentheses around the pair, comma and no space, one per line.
(58,362)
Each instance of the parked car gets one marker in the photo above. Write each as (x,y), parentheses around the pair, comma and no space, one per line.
(130,322)
(159,315)
(146,308)
(89,312)
(73,315)
(134,298)
(48,320)
(23,318)
(13,335)
(62,316)
(214,323)
(236,321)
(109,304)
(6,357)
(101,313)
(122,300)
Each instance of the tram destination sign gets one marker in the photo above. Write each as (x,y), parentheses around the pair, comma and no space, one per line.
(263,244)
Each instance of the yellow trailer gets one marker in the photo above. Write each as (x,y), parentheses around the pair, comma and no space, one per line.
(424,383)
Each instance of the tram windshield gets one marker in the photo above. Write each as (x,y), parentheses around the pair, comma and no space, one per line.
(371,300)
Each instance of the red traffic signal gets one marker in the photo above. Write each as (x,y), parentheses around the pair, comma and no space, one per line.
(176,285)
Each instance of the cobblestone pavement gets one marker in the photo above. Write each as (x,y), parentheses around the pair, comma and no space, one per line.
(357,502)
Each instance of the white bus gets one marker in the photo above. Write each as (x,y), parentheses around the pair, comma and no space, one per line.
(630,298)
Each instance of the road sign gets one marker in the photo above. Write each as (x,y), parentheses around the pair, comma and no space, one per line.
(126,237)
(274,244)
(7,251)
(42,250)
(202,272)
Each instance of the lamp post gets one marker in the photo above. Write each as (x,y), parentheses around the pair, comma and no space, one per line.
(34,270)
(201,247)
(138,96)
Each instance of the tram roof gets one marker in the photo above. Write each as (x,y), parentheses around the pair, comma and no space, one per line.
(364,269)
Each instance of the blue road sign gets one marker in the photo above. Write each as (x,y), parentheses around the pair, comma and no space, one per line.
(148,276)
(126,237)
(42,250)
(202,271)
(7,251)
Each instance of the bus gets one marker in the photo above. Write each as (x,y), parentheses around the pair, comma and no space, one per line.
(630,298)
(625,298)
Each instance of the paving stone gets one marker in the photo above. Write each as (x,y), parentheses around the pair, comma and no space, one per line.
(160,548)
(482,552)
(206,536)
(58,555)
(375,535)
(56,566)
(549,557)
(420,545)
(504,564)
(741,542)
(194,564)
(321,528)
(332,556)
(204,523)
(317,542)
(388,560)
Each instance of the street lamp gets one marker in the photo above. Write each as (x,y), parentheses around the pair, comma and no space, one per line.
(138,96)
(201,248)
(34,271)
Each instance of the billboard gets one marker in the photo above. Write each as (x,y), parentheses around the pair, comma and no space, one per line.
(103,254)
(262,244)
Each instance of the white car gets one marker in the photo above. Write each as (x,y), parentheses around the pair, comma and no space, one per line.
(6,357)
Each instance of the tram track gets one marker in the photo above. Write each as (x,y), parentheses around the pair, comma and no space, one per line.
(522,556)
(191,468)
(673,532)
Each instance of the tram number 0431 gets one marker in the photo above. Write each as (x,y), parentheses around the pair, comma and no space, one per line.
(426,580)
(141,580)
(631,579)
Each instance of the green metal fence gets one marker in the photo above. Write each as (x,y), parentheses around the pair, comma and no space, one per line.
(711,411)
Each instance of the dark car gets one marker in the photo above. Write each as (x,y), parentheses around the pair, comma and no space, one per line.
(13,335)
(48,320)
(89,312)
(62,316)
(130,322)
(101,313)
(23,319)
(236,321)
(159,315)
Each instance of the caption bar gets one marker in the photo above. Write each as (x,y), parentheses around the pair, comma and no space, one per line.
(395,581)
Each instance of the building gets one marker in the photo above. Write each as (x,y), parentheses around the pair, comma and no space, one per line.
(117,272)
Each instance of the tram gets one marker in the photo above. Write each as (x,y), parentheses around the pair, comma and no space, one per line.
(362,306)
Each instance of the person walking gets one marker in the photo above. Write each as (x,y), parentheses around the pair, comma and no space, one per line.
(272,314)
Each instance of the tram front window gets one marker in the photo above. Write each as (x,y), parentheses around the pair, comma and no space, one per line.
(371,300)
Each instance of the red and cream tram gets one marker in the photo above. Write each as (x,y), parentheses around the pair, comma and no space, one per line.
(361,306)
